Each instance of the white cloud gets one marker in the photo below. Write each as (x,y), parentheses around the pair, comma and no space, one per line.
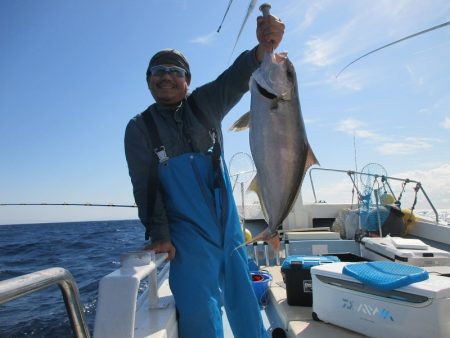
(205,39)
(337,191)
(312,11)
(424,110)
(325,81)
(409,146)
(417,80)
(385,145)
(436,183)
(334,46)
(446,123)
(311,14)
(349,125)
(357,128)
(309,121)
(319,51)
(330,47)
(350,80)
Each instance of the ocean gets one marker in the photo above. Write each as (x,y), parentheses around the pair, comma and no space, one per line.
(89,250)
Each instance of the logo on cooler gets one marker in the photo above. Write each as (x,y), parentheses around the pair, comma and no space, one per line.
(366,309)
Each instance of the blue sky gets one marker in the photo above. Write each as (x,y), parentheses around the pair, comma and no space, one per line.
(72,73)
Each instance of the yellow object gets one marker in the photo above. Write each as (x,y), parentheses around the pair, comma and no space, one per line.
(248,235)
(387,199)
(408,218)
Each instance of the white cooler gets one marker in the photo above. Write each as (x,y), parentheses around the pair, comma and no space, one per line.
(419,310)
(403,250)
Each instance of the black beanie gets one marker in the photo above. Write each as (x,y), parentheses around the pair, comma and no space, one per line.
(169,57)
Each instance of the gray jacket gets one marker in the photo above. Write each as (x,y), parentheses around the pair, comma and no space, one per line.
(181,132)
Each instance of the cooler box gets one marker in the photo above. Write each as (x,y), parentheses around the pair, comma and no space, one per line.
(403,250)
(417,310)
(297,277)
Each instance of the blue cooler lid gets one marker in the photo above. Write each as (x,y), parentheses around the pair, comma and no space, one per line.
(306,262)
(386,275)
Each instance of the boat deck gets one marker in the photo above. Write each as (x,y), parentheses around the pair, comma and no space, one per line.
(298,319)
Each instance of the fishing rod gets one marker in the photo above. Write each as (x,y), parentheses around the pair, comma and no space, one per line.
(251,6)
(87,204)
(393,43)
(223,19)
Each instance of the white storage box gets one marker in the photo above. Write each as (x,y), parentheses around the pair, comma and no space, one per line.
(403,250)
(418,310)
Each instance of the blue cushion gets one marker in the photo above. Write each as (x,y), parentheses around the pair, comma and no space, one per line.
(385,275)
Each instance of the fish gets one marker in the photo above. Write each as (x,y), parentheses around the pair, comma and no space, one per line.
(278,141)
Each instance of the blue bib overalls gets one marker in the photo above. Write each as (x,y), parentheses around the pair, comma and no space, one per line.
(207,272)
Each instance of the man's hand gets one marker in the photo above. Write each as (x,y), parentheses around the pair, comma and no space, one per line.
(162,246)
(269,32)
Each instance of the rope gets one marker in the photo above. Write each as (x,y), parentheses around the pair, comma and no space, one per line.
(416,190)
(397,202)
(378,206)
(355,187)
(386,182)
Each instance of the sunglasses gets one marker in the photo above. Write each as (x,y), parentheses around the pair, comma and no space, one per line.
(161,70)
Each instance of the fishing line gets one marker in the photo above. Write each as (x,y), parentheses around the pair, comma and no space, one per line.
(87,204)
(393,43)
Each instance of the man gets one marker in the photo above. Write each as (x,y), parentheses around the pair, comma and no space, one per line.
(183,192)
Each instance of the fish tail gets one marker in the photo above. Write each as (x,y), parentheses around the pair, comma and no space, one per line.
(259,237)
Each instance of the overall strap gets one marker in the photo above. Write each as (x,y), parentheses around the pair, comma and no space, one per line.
(216,148)
(158,147)
(160,152)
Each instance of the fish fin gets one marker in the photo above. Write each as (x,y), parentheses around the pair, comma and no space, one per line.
(254,187)
(311,159)
(242,123)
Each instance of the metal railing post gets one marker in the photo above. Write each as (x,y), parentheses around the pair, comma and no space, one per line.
(13,288)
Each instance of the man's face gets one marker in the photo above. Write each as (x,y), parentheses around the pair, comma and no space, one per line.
(168,88)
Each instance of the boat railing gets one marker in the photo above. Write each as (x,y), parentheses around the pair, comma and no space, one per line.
(17,287)
(118,293)
(352,175)
(261,254)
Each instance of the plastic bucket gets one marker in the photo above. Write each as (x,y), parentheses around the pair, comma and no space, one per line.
(260,282)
